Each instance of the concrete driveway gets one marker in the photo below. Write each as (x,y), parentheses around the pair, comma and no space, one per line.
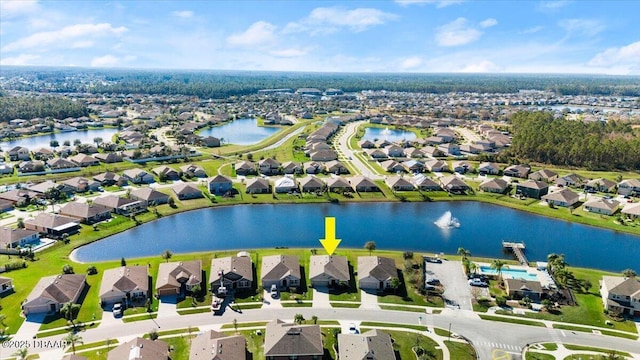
(29,327)
(368,300)
(321,297)
(167,306)
(108,319)
(456,288)
(269,302)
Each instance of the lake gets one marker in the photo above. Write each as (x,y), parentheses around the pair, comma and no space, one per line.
(373,134)
(240,132)
(85,136)
(394,226)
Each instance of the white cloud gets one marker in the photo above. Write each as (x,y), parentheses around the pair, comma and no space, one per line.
(22,59)
(411,63)
(489,23)
(484,66)
(259,33)
(64,36)
(553,5)
(439,3)
(456,33)
(184,14)
(585,27)
(15,8)
(532,30)
(111,61)
(626,55)
(331,19)
(289,53)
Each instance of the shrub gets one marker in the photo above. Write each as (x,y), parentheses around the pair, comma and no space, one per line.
(153,335)
(67,269)
(92,270)
(501,301)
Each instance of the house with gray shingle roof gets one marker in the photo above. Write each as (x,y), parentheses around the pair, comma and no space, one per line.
(496,186)
(326,270)
(601,184)
(174,277)
(258,186)
(87,214)
(185,191)
(532,189)
(281,270)
(234,272)
(220,185)
(138,176)
(120,205)
(371,345)
(11,238)
(124,284)
(398,183)
(564,198)
(52,225)
(376,272)
(283,341)
(139,349)
(311,183)
(212,345)
(601,206)
(629,187)
(149,196)
(363,184)
(6,285)
(621,294)
(52,292)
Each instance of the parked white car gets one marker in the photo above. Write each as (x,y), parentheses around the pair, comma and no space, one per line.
(477,282)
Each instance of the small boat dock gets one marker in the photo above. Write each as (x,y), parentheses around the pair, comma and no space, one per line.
(518,250)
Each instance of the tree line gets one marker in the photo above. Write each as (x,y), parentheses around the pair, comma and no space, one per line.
(539,137)
(29,107)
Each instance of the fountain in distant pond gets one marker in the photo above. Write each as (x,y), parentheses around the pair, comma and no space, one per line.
(386,132)
(447,221)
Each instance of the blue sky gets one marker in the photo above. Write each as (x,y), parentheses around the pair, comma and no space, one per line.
(601,37)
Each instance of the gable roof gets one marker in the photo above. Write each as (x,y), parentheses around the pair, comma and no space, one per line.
(52,221)
(220,179)
(240,265)
(213,345)
(495,183)
(113,201)
(176,273)
(380,268)
(140,349)
(276,267)
(148,194)
(533,184)
(524,285)
(282,339)
(622,286)
(372,345)
(57,289)
(564,195)
(335,267)
(83,210)
(124,279)
(186,188)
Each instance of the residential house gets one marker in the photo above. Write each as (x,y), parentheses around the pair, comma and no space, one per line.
(336,167)
(363,184)
(186,191)
(138,176)
(291,167)
(52,225)
(631,210)
(43,154)
(462,167)
(139,349)
(120,205)
(87,214)
(449,149)
(398,183)
(436,165)
(338,184)
(521,288)
(313,167)
(220,185)
(394,151)
(569,180)
(519,171)
(174,278)
(414,153)
(413,166)
(211,141)
(323,155)
(328,271)
(392,166)
(125,284)
(621,295)
(488,168)
(109,179)
(366,144)
(281,270)
(258,186)
(269,166)
(212,345)
(564,198)
(84,160)
(166,173)
(629,187)
(601,206)
(109,157)
(532,189)
(601,185)
(283,341)
(18,153)
(544,175)
(47,186)
(79,184)
(311,183)
(377,154)
(371,345)
(5,169)
(453,185)
(12,238)
(424,183)
(52,292)
(245,168)
(6,285)
(496,186)
(232,272)
(285,184)
(149,196)
(193,170)
(376,272)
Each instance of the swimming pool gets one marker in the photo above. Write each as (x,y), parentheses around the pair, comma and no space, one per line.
(509,273)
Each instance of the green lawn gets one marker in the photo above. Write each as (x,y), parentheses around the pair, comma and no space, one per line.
(530,355)
(179,346)
(459,350)
(511,320)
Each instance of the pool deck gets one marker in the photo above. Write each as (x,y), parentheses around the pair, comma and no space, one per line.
(546,281)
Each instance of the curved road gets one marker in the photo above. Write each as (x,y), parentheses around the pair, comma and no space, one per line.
(481,333)
(343,148)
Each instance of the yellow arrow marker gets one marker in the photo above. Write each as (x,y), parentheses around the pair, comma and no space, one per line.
(330,243)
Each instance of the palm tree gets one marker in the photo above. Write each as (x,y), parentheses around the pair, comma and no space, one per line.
(70,310)
(298,319)
(20,224)
(21,353)
(73,339)
(370,245)
(167,255)
(464,253)
(395,283)
(498,264)
(629,273)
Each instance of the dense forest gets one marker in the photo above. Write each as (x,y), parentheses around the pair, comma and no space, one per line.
(538,137)
(222,84)
(21,107)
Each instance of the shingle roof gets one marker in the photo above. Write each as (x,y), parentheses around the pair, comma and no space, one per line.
(57,288)
(176,273)
(283,339)
(276,267)
(231,266)
(335,267)
(372,345)
(125,279)
(213,345)
(380,268)
(140,349)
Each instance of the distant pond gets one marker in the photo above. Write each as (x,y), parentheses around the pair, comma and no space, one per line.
(85,136)
(373,134)
(394,226)
(240,132)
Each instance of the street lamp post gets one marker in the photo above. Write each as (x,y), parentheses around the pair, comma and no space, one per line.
(449,339)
